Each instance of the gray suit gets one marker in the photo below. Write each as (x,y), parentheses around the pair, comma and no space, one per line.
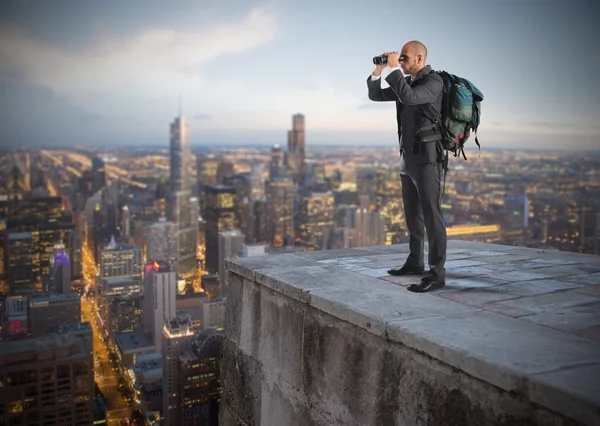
(421,185)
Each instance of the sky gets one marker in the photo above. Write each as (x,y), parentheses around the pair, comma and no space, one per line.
(115,73)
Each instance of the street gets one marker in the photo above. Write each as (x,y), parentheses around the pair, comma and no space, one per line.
(105,374)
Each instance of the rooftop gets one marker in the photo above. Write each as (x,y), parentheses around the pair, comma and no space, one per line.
(132,340)
(512,326)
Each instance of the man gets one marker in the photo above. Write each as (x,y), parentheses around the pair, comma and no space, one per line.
(421,151)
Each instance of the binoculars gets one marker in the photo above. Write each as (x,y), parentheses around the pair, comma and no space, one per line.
(379,60)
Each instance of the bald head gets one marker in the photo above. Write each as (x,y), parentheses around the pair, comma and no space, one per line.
(415,54)
(416,48)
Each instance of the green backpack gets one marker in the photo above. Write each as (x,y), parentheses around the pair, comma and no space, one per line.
(461,112)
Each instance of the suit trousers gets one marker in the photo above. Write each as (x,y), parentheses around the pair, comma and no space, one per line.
(422,198)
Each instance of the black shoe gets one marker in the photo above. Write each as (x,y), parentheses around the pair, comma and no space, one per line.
(406,270)
(426,284)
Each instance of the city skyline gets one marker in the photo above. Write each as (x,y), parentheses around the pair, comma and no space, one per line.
(113,75)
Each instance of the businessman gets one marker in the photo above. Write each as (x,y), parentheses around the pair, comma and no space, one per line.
(417,97)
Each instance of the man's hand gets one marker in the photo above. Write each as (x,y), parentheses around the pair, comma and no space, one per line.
(379,68)
(393,59)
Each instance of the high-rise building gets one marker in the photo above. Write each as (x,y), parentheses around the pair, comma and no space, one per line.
(47,311)
(185,211)
(220,216)
(98,174)
(180,156)
(276,164)
(317,211)
(296,145)
(121,260)
(15,321)
(42,222)
(200,386)
(161,241)
(60,270)
(178,335)
(47,380)
(19,255)
(280,209)
(160,292)
(125,221)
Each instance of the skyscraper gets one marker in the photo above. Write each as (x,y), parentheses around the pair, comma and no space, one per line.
(220,216)
(161,242)
(180,156)
(185,210)
(160,291)
(98,174)
(280,209)
(60,269)
(296,148)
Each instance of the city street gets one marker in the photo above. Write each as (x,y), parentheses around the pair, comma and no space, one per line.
(105,375)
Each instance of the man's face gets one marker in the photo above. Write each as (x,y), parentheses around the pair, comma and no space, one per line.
(409,64)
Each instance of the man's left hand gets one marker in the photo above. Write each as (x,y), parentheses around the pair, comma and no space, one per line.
(393,59)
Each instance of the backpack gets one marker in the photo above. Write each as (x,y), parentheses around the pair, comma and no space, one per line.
(461,112)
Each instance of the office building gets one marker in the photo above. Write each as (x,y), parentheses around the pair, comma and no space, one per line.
(161,241)
(200,386)
(316,212)
(180,156)
(160,292)
(47,311)
(280,209)
(47,381)
(178,335)
(60,270)
(220,216)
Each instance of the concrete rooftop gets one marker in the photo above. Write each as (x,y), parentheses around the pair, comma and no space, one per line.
(526,321)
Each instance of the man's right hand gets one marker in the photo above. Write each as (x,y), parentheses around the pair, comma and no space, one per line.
(379,68)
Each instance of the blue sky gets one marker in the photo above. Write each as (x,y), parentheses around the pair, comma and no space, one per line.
(110,72)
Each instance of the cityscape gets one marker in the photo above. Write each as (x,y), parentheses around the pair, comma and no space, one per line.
(200,203)
(114,272)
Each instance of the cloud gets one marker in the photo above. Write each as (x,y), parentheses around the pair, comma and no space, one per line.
(154,61)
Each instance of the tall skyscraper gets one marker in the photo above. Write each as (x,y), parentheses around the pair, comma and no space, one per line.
(60,270)
(200,397)
(317,211)
(178,335)
(98,174)
(296,148)
(276,163)
(185,211)
(160,291)
(220,216)
(125,221)
(280,209)
(161,242)
(180,156)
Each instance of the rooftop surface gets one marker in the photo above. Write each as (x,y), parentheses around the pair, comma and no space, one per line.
(524,320)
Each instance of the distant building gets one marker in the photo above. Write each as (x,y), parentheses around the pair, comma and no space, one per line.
(180,156)
(178,335)
(220,216)
(160,292)
(161,242)
(200,384)
(60,270)
(47,311)
(213,313)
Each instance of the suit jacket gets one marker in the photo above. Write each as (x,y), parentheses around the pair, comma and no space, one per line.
(413,111)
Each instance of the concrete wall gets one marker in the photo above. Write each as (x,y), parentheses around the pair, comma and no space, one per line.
(286,362)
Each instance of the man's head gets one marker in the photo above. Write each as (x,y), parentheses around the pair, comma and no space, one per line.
(415,57)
